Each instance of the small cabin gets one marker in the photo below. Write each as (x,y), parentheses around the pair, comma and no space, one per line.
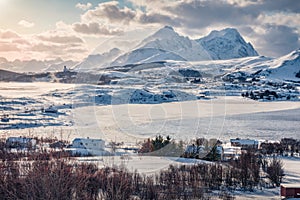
(88,143)
(244,143)
(290,190)
(20,142)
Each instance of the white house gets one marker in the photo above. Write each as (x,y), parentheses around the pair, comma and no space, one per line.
(231,152)
(244,143)
(88,143)
(20,142)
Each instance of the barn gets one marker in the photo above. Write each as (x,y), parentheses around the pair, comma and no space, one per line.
(290,190)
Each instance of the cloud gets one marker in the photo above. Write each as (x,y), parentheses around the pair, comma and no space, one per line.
(60,42)
(26,24)
(7,46)
(54,37)
(111,12)
(281,18)
(277,40)
(8,34)
(95,29)
(83,6)
(267,18)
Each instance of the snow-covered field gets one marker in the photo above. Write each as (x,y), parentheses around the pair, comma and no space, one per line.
(220,117)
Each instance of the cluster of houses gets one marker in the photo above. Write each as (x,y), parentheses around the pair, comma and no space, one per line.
(79,146)
(89,146)
(225,151)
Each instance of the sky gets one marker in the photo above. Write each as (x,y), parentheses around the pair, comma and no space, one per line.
(73,29)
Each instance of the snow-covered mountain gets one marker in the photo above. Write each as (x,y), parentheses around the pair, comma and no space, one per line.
(146,55)
(226,44)
(218,45)
(286,67)
(169,40)
(98,60)
(36,66)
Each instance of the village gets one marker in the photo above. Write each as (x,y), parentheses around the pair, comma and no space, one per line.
(257,161)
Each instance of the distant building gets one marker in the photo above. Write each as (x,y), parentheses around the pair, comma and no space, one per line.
(231,153)
(20,142)
(244,143)
(65,70)
(290,190)
(87,143)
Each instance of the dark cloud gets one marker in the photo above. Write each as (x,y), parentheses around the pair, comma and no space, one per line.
(275,6)
(274,40)
(277,40)
(94,29)
(112,12)
(250,17)
(158,18)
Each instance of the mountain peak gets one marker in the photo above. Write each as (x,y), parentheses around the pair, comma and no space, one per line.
(168,27)
(227,44)
(165,32)
(230,33)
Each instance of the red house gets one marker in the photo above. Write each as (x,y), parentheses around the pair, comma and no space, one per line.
(290,190)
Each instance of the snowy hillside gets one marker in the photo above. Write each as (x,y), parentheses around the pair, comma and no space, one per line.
(98,60)
(285,68)
(146,55)
(226,44)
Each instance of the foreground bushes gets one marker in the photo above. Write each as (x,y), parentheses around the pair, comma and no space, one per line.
(64,178)
(67,179)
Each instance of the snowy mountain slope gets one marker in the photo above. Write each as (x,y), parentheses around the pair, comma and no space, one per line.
(167,44)
(286,67)
(169,40)
(218,45)
(253,63)
(146,55)
(98,60)
(226,44)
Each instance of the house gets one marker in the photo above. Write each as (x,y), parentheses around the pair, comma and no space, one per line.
(231,152)
(244,143)
(88,143)
(194,151)
(20,142)
(290,190)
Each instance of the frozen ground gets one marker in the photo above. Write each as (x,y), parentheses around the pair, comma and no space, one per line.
(80,116)
(224,118)
(220,117)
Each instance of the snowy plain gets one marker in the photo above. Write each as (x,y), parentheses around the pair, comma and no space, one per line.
(220,117)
